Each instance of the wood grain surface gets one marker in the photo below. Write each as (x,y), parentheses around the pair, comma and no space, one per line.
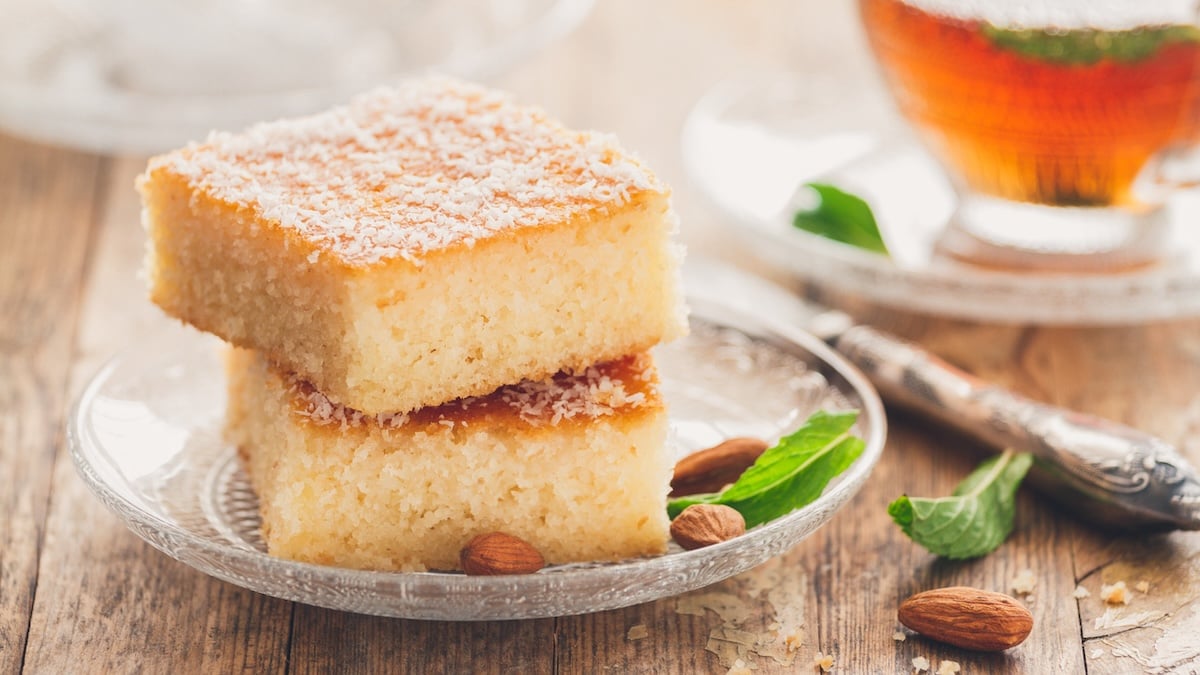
(80,593)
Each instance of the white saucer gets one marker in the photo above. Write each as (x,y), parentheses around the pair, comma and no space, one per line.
(750,144)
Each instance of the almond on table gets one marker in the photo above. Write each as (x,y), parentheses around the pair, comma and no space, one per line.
(968,617)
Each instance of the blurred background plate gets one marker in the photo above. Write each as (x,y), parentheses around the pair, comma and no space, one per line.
(751,142)
(131,76)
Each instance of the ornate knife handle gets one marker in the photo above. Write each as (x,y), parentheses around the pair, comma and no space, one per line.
(1108,473)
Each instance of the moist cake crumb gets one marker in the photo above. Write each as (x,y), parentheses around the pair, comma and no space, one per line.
(1024,582)
(1115,594)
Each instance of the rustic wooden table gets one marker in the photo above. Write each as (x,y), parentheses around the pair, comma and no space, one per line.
(80,593)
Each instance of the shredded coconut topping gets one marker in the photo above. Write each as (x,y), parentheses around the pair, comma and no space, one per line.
(318,408)
(400,172)
(595,392)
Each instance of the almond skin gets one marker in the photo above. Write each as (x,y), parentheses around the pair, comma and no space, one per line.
(701,525)
(968,617)
(712,469)
(499,553)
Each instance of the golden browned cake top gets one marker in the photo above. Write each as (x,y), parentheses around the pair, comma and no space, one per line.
(613,388)
(400,172)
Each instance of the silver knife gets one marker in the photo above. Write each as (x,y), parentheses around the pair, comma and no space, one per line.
(1107,473)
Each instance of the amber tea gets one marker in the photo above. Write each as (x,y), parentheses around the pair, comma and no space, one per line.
(1062,115)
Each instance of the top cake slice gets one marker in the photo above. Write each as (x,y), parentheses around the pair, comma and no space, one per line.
(421,244)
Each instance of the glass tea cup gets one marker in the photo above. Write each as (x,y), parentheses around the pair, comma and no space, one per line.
(1065,125)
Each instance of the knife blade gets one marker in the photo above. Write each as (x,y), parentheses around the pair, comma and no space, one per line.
(1109,474)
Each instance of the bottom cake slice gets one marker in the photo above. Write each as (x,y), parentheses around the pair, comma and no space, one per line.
(577,466)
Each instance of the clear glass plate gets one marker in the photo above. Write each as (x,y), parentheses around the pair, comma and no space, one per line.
(132,76)
(146,438)
(750,143)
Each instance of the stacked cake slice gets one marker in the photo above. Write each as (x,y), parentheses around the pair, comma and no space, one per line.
(442,303)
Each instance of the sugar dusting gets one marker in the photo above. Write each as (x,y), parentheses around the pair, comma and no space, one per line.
(597,391)
(400,172)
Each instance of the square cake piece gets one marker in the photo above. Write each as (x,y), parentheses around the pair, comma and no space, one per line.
(421,244)
(576,465)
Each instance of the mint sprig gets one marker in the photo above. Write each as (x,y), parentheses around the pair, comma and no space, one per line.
(840,216)
(975,519)
(1087,46)
(790,474)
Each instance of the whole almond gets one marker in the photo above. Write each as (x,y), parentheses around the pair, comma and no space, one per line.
(712,469)
(968,617)
(499,553)
(701,525)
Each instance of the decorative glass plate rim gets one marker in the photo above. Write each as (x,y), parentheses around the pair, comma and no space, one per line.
(961,290)
(558,578)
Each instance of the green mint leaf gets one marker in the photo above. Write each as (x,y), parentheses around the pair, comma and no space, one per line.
(1086,46)
(841,216)
(973,521)
(790,474)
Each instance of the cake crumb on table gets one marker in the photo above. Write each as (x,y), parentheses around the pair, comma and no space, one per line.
(920,664)
(1024,582)
(948,668)
(823,661)
(792,641)
(1115,594)
(638,631)
(1081,593)
(739,667)
(1142,586)
(899,636)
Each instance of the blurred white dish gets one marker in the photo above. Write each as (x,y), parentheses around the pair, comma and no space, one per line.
(133,76)
(750,143)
